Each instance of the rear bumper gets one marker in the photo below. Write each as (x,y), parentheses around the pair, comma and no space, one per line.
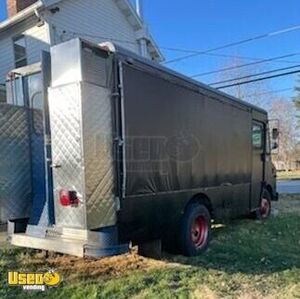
(81,243)
(67,246)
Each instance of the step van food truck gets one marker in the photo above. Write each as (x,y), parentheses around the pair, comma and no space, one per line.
(102,149)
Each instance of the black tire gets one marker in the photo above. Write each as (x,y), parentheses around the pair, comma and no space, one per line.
(195,230)
(264,210)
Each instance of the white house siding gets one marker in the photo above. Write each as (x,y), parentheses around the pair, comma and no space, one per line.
(6,58)
(36,40)
(97,20)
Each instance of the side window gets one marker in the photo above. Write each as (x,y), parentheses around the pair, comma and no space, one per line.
(20,51)
(15,92)
(257,136)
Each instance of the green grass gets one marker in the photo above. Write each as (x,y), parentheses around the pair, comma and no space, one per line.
(246,259)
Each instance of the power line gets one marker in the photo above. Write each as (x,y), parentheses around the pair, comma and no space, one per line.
(245,65)
(245,57)
(196,52)
(212,54)
(266,93)
(259,79)
(106,38)
(255,75)
(237,43)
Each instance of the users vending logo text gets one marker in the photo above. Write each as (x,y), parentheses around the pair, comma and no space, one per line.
(34,281)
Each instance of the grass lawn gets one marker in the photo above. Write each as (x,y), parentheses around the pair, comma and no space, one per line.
(246,259)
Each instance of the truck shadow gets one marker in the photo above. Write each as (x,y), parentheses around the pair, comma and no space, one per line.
(248,246)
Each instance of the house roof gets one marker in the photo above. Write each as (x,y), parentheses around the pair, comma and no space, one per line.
(124,6)
(22,15)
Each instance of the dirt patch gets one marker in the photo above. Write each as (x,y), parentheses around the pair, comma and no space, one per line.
(116,266)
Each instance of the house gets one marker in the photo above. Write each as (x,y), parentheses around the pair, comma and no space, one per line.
(34,25)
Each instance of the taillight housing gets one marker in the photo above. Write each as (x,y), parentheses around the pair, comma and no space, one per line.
(68,198)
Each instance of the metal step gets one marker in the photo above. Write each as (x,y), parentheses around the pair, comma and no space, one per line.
(62,245)
(77,246)
(71,241)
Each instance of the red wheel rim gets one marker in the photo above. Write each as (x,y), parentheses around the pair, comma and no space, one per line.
(265,208)
(199,232)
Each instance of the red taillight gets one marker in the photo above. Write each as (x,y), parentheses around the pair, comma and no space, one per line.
(68,198)
(64,198)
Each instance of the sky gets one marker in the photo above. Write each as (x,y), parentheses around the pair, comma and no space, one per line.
(204,24)
(201,25)
(2,9)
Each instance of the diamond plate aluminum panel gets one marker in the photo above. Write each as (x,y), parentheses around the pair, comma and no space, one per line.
(81,127)
(98,156)
(15,167)
(65,121)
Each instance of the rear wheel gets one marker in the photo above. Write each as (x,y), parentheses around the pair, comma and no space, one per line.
(264,210)
(195,230)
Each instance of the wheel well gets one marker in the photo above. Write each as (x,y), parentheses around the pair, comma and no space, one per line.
(203,199)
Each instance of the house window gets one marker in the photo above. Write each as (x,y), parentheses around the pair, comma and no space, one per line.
(20,51)
(15,94)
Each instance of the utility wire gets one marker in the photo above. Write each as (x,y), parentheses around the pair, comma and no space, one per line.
(196,52)
(245,65)
(237,43)
(246,57)
(266,93)
(256,75)
(106,38)
(259,79)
